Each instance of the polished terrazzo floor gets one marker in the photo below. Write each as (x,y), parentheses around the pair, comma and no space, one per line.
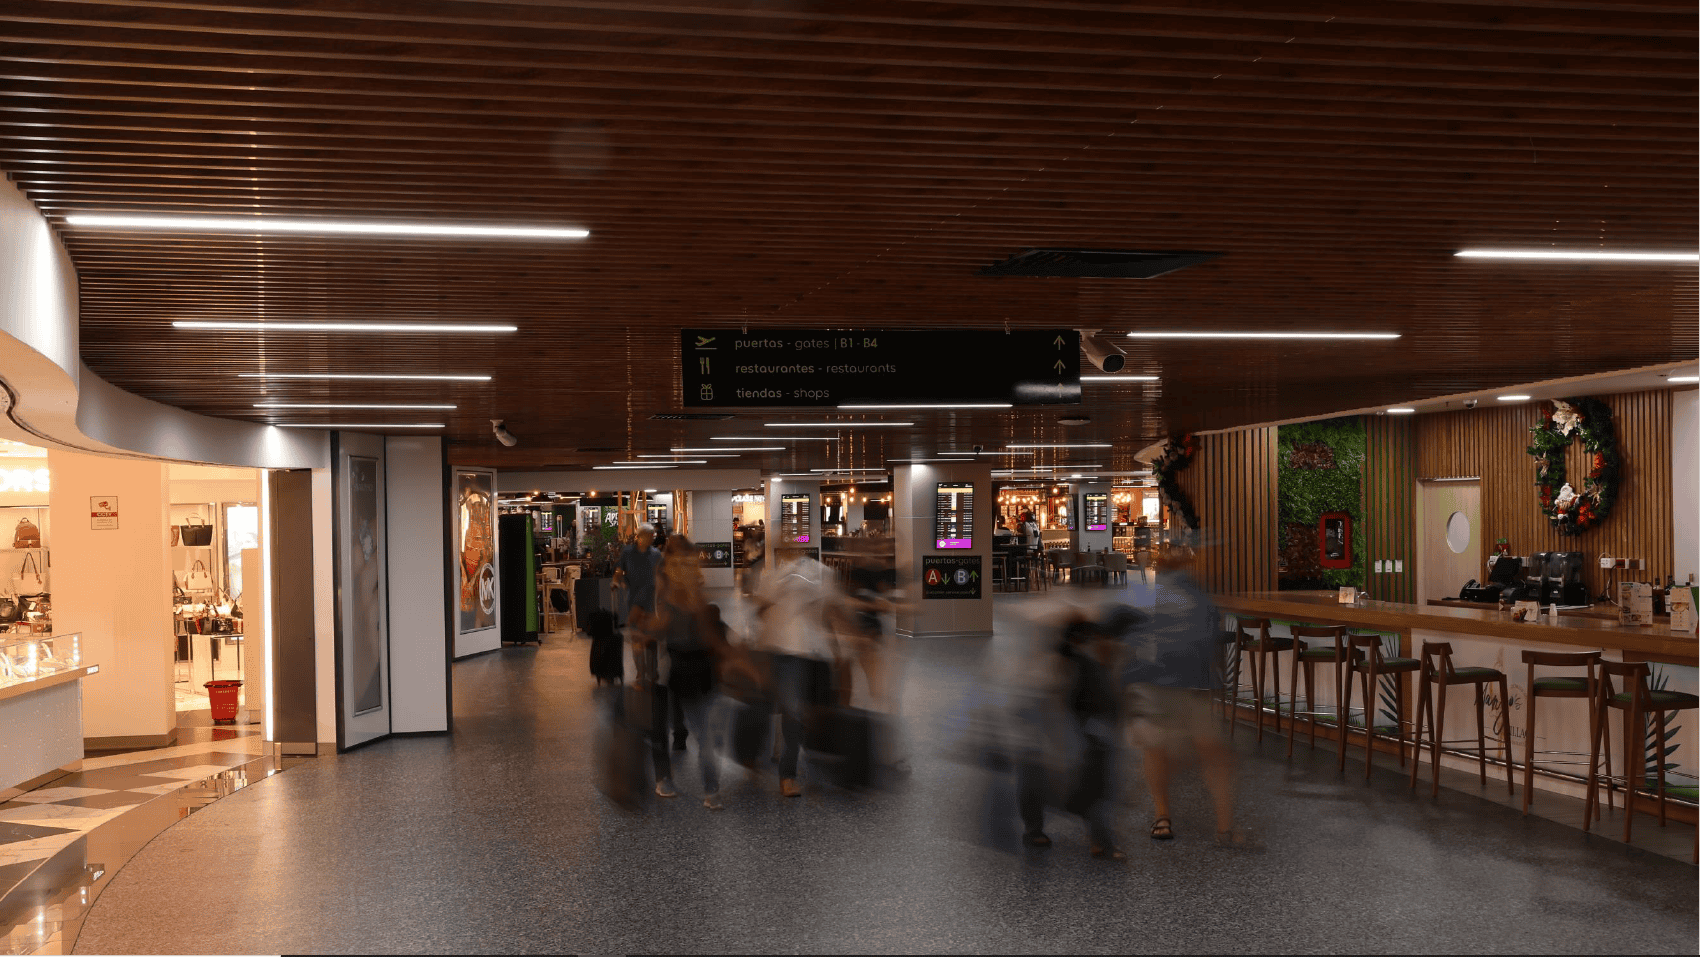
(495,840)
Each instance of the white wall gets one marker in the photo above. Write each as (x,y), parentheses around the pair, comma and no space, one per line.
(324,609)
(114,586)
(1685,491)
(418,584)
(913,501)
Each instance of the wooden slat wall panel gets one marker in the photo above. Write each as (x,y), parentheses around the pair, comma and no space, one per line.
(1390,503)
(1232,484)
(1492,443)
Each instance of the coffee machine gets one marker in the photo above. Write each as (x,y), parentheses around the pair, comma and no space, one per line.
(1561,580)
(1531,583)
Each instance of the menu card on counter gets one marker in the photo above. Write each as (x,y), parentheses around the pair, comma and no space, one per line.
(1529,611)
(1681,601)
(1634,603)
(1348,595)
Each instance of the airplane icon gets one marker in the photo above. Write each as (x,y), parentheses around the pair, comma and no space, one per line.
(703,342)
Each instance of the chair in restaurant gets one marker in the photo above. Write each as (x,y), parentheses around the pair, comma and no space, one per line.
(1115,567)
(1016,572)
(1327,647)
(1062,565)
(1000,572)
(1253,643)
(1584,686)
(1437,674)
(1087,568)
(1638,701)
(1366,662)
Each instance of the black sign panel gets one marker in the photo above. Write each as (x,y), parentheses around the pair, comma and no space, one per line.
(1097,511)
(714,554)
(794,510)
(812,367)
(950,576)
(953,521)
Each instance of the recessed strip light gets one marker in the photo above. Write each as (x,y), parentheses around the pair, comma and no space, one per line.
(615,468)
(359,425)
(932,405)
(1577,255)
(736,448)
(1263,335)
(233,326)
(704,455)
(773,438)
(835,425)
(344,405)
(668,462)
(1683,378)
(836,471)
(1513,398)
(375,377)
(1118,378)
(1060,445)
(266,224)
(1401,410)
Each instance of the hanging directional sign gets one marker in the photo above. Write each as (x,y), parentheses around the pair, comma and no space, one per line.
(814,367)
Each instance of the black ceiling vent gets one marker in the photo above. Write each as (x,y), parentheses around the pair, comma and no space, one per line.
(1095,263)
(694,416)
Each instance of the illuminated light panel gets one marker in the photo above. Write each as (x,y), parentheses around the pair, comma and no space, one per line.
(836,471)
(773,438)
(1683,378)
(235,326)
(1401,410)
(668,462)
(1118,378)
(933,405)
(263,224)
(375,377)
(1513,398)
(1263,335)
(614,468)
(1576,255)
(1060,445)
(359,425)
(652,455)
(835,425)
(736,448)
(345,405)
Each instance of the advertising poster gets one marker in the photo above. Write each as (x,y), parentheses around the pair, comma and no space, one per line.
(366,570)
(475,496)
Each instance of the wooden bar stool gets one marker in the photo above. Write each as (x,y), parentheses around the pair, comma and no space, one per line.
(1251,636)
(1368,662)
(1438,674)
(1637,701)
(1584,685)
(1305,659)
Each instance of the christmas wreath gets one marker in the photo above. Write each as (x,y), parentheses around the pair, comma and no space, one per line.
(1168,466)
(1562,420)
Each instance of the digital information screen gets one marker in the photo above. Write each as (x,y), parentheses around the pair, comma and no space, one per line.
(954,515)
(1097,511)
(794,517)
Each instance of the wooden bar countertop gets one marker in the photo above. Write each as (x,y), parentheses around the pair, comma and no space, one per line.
(1582,632)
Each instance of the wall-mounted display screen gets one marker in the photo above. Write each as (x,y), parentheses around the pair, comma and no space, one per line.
(954,515)
(1097,509)
(794,508)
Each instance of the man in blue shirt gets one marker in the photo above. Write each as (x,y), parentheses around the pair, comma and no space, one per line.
(635,572)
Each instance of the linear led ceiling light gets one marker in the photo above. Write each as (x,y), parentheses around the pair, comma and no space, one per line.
(615,468)
(1577,255)
(1106,379)
(345,326)
(836,471)
(1263,335)
(668,462)
(1683,378)
(1513,398)
(1060,445)
(362,376)
(707,455)
(773,438)
(1401,410)
(735,448)
(359,425)
(265,224)
(835,425)
(345,405)
(932,405)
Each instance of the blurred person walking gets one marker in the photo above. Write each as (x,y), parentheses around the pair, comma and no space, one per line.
(635,571)
(796,602)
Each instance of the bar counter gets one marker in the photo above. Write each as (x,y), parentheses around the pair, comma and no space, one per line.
(1587,632)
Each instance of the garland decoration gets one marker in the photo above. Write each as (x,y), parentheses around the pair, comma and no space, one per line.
(1562,420)
(1174,460)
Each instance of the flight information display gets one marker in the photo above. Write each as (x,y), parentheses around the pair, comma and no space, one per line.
(954,515)
(794,510)
(1097,511)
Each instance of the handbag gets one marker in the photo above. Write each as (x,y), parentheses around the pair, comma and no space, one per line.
(29,580)
(28,535)
(198,579)
(195,533)
(8,611)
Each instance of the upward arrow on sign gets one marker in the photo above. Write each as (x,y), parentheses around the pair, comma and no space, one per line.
(1060,367)
(1059,341)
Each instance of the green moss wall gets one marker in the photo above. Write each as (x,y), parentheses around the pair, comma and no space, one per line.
(1304,494)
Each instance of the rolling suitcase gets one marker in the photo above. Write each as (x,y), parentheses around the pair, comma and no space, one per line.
(607,659)
(752,723)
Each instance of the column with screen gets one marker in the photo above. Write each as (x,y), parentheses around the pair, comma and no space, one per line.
(954,515)
(1097,510)
(794,508)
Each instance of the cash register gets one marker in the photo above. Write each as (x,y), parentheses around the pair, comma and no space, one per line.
(1502,583)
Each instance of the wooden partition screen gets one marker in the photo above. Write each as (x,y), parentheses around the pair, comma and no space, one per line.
(1390,504)
(1232,484)
(1492,443)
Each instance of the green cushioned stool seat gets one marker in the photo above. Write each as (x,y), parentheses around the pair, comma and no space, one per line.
(1562,684)
(1664,700)
(1317,654)
(1396,664)
(1477,674)
(1275,643)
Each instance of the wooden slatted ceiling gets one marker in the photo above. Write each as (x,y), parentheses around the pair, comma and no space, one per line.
(853,165)
(1491,443)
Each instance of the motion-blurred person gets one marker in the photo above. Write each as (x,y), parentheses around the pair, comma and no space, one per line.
(1169,678)
(1088,698)
(634,572)
(686,632)
(795,602)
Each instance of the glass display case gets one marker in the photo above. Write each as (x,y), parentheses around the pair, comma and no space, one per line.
(24,659)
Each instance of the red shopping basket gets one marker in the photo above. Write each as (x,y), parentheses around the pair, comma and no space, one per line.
(224,695)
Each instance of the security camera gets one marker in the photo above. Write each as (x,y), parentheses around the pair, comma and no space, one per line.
(503,435)
(978,449)
(1469,403)
(1103,353)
